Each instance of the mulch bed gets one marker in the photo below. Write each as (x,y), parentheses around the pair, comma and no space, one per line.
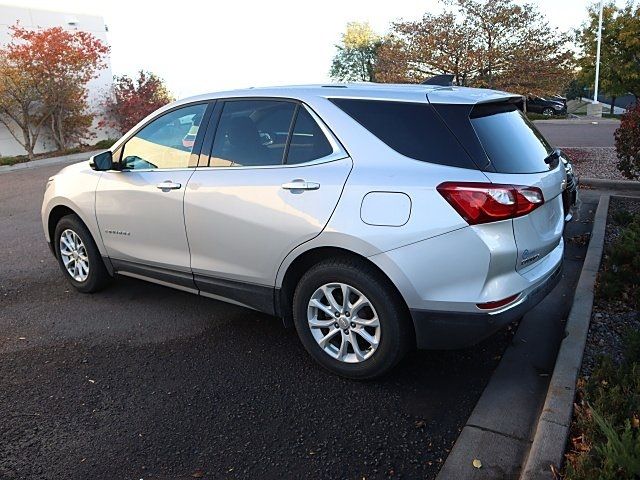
(595,162)
(610,318)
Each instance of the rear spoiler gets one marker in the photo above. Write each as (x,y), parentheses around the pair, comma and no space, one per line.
(495,105)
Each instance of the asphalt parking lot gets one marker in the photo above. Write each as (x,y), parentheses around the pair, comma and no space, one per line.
(141,381)
(579,132)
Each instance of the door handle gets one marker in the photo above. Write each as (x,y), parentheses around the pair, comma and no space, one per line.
(299,184)
(168,185)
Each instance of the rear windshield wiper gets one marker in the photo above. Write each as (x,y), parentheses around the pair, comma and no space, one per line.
(555,155)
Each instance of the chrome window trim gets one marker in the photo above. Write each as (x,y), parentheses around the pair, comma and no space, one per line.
(329,158)
(176,169)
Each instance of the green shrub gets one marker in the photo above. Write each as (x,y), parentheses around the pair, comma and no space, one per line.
(621,269)
(104,144)
(621,451)
(632,347)
(622,217)
(627,137)
(13,160)
(607,417)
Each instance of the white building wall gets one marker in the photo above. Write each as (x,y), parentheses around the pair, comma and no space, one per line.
(34,18)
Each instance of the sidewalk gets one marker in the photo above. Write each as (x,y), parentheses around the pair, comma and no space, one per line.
(45,162)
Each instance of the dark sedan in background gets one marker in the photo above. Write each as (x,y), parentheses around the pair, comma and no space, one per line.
(546,106)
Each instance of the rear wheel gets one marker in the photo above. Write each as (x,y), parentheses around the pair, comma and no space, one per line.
(350,319)
(78,256)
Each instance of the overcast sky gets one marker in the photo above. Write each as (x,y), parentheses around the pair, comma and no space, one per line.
(202,46)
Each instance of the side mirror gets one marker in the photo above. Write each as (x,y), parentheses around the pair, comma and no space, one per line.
(102,161)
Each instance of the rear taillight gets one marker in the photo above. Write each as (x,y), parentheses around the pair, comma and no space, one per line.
(489,202)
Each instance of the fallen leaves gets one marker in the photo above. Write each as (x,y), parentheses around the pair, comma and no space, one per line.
(580,240)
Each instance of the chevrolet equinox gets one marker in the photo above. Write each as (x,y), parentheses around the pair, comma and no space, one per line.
(373,218)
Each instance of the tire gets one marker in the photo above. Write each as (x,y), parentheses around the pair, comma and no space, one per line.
(393,333)
(88,280)
(548,112)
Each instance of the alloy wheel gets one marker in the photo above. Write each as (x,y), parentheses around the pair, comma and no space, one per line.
(74,255)
(343,322)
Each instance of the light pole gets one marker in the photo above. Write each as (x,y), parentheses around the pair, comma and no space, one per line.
(595,92)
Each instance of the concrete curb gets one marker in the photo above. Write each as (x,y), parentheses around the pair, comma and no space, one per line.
(610,184)
(500,429)
(549,441)
(46,162)
(578,120)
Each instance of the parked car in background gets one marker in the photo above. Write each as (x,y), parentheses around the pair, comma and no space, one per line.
(545,106)
(374,218)
(558,98)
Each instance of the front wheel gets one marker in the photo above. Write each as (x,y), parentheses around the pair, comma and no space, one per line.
(350,319)
(548,112)
(78,256)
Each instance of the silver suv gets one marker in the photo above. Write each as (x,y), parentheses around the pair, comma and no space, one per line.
(374,218)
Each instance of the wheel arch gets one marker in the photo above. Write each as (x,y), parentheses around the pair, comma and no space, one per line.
(55,215)
(307,259)
(62,210)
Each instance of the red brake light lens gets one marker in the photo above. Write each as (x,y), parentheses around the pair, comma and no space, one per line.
(490,202)
(498,303)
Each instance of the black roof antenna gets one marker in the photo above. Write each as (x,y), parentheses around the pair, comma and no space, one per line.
(444,80)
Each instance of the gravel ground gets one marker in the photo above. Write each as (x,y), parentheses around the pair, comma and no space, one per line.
(595,162)
(610,319)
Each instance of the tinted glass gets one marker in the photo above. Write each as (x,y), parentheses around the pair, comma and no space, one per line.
(165,142)
(412,129)
(252,133)
(308,142)
(511,142)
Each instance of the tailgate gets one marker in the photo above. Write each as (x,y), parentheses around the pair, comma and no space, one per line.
(519,155)
(539,232)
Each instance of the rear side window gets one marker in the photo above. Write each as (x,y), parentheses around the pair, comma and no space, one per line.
(308,142)
(412,129)
(510,140)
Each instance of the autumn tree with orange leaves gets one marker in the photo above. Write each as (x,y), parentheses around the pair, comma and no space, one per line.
(43,84)
(492,44)
(132,99)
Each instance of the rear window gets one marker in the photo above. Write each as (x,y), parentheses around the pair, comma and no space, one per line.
(510,140)
(412,129)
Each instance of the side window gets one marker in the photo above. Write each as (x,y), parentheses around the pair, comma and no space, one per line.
(252,133)
(411,129)
(166,142)
(308,142)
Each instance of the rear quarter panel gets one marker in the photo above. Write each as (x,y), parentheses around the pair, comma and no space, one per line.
(378,168)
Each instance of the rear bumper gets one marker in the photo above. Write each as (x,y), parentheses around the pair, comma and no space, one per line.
(450,330)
